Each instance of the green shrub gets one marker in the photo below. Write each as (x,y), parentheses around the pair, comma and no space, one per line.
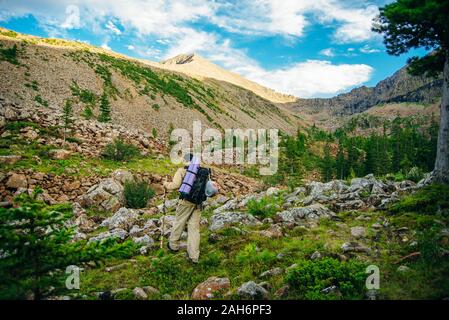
(309,278)
(428,200)
(118,150)
(87,113)
(265,207)
(155,106)
(9,55)
(137,194)
(428,245)
(41,101)
(154,132)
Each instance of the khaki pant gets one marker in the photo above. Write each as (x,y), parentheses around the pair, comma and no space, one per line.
(187,213)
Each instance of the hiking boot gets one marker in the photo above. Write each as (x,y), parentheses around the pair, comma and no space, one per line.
(194,261)
(171,249)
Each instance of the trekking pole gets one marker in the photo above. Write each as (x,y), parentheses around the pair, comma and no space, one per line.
(163,219)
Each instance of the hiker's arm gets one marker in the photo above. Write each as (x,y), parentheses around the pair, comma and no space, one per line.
(177,180)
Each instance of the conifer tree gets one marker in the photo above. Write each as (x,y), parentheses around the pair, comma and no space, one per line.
(105,109)
(67,117)
(36,248)
(412,24)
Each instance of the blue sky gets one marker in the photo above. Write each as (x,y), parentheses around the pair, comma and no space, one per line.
(307,48)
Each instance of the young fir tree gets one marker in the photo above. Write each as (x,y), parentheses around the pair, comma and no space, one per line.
(327,167)
(67,117)
(36,247)
(105,109)
(410,24)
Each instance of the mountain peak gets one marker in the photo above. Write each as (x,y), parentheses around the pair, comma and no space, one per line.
(181,59)
(194,65)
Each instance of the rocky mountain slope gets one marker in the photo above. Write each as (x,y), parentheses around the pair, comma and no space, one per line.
(399,89)
(196,66)
(37,71)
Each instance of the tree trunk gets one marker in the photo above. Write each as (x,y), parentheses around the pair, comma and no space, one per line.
(441,172)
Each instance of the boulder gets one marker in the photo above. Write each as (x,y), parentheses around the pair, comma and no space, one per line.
(84,223)
(315,256)
(314,211)
(140,294)
(229,205)
(116,233)
(124,219)
(107,195)
(144,240)
(9,159)
(122,176)
(271,273)
(354,247)
(274,231)
(210,288)
(272,191)
(358,232)
(17,181)
(227,219)
(59,154)
(252,291)
(349,205)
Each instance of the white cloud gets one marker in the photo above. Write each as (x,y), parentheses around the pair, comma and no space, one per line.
(290,18)
(112,27)
(367,49)
(105,46)
(315,78)
(168,25)
(329,52)
(72,19)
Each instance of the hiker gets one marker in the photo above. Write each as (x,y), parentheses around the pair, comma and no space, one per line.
(195,186)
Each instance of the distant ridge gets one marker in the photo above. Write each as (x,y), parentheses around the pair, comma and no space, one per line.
(200,68)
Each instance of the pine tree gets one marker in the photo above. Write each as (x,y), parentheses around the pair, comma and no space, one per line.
(412,24)
(67,117)
(327,168)
(36,247)
(105,109)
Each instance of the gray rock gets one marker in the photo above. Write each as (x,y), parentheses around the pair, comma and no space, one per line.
(358,232)
(140,294)
(272,191)
(122,176)
(227,219)
(315,256)
(349,205)
(116,233)
(107,195)
(331,290)
(272,272)
(314,211)
(230,205)
(251,290)
(354,247)
(124,219)
(145,240)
